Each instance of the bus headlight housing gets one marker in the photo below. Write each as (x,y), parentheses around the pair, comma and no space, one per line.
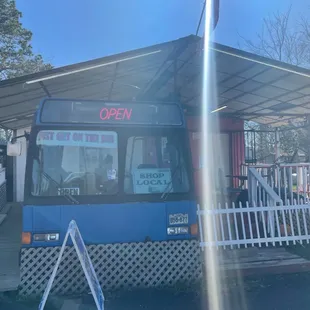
(46,237)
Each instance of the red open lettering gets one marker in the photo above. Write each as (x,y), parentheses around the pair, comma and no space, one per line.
(115,114)
(104,114)
(127,113)
(119,114)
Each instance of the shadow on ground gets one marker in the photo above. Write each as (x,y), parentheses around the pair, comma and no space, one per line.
(268,293)
(154,299)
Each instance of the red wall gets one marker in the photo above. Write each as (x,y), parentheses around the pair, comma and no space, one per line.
(235,128)
(225,124)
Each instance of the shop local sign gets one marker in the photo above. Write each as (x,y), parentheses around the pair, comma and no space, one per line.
(153,180)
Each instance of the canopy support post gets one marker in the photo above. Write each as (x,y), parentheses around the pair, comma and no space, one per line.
(45,89)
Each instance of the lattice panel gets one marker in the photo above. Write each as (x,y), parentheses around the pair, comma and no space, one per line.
(2,195)
(127,265)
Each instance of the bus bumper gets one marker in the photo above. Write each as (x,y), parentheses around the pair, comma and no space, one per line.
(118,266)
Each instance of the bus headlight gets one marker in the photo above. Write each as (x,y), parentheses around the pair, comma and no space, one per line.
(46,237)
(182,230)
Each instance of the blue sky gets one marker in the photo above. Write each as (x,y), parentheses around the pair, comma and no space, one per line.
(71,31)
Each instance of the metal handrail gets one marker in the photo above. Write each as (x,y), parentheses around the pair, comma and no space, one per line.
(280,165)
(253,191)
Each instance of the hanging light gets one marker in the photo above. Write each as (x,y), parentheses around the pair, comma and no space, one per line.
(219,109)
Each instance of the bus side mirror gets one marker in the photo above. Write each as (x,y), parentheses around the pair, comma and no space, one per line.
(14,149)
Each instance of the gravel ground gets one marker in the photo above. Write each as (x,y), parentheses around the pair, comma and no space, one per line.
(291,292)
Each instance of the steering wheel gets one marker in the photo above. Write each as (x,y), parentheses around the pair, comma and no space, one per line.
(73,176)
(78,177)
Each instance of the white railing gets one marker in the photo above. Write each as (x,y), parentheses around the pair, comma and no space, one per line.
(290,181)
(249,226)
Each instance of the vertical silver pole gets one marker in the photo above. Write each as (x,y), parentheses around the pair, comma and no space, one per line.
(277,145)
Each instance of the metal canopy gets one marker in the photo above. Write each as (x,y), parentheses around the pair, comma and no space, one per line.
(252,87)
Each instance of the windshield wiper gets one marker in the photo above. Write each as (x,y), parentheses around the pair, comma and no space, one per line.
(68,196)
(168,188)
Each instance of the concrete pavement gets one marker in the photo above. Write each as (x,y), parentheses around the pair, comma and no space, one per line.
(287,292)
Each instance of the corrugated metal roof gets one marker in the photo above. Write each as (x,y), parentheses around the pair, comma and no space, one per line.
(252,87)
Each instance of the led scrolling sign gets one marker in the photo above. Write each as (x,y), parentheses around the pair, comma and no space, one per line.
(66,111)
(117,114)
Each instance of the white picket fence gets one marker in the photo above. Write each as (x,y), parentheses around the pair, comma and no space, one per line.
(264,225)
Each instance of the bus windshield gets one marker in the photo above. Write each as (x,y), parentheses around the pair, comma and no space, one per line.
(75,163)
(85,162)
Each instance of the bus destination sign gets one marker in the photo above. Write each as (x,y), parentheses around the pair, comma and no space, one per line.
(102,112)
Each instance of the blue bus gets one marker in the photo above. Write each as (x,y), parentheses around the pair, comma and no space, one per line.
(122,171)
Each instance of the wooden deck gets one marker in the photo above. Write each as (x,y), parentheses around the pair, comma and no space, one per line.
(10,234)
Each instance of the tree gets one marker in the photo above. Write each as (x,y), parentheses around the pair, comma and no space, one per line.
(16,55)
(5,135)
(262,139)
(282,39)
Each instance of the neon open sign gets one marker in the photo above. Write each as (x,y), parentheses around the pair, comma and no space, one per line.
(117,114)
(92,112)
